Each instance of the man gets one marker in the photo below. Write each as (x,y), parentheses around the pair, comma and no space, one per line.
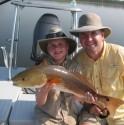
(102,64)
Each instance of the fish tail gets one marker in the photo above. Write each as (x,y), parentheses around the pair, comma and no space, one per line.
(112,105)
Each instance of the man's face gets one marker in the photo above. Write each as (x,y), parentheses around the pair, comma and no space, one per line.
(92,42)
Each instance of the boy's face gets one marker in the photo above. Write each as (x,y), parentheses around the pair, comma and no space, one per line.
(58,49)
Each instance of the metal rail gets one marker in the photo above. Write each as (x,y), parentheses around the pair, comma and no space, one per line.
(38,4)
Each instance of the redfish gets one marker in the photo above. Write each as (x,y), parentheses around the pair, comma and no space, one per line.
(66,81)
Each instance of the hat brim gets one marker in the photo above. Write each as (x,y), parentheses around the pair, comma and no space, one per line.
(76,32)
(71,42)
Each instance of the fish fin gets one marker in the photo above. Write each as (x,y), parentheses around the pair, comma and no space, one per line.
(84,80)
(54,80)
(112,105)
(44,62)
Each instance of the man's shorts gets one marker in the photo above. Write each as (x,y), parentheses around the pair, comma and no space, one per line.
(91,119)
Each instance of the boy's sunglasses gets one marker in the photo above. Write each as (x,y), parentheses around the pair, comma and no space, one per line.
(54,35)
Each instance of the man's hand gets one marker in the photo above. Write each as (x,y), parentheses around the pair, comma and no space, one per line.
(89,98)
(94,109)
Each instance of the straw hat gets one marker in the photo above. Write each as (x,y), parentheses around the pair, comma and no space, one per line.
(56,33)
(90,22)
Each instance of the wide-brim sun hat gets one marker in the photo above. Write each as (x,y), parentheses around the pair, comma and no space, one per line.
(88,23)
(54,34)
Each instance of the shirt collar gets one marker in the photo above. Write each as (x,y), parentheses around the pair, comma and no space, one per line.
(103,53)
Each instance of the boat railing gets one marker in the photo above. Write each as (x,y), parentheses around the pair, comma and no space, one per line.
(5,52)
(5,56)
(19,4)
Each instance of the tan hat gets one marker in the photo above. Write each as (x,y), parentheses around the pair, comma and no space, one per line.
(90,22)
(56,33)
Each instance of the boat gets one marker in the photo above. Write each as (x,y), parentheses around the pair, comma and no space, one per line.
(12,98)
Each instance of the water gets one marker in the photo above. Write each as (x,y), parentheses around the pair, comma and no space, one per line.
(112,16)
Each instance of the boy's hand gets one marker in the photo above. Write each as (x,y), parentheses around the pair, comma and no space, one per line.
(47,87)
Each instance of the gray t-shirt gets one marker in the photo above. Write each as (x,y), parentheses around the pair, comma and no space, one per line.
(60,108)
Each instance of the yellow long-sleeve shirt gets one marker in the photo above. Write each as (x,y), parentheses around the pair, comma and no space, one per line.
(106,74)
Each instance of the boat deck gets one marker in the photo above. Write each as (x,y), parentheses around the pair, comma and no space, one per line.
(16,108)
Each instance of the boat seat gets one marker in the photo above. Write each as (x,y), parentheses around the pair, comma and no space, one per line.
(8,95)
(23,110)
(8,91)
(5,109)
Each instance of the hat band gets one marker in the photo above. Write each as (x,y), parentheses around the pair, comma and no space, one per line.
(54,35)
